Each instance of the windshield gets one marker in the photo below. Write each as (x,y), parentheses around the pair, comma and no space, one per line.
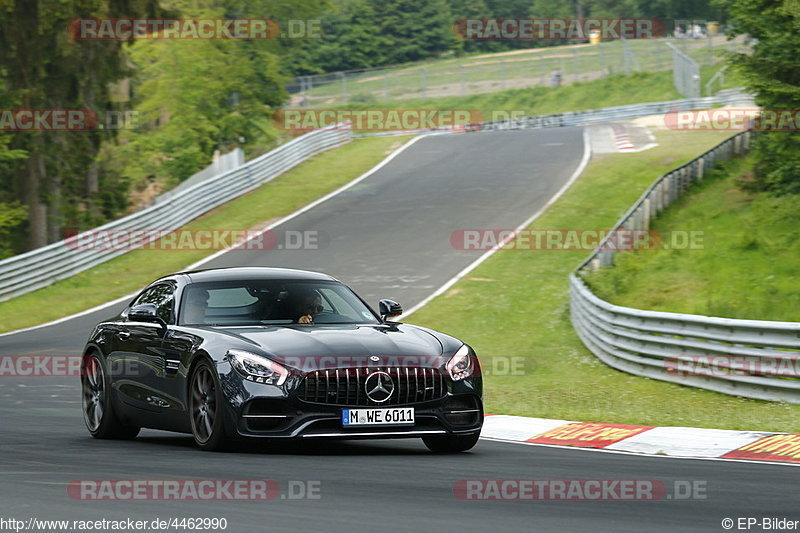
(269,302)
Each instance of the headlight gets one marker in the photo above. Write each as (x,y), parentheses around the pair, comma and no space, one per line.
(257,368)
(460,365)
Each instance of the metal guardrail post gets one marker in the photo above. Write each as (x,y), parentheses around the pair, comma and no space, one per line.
(693,350)
(44,266)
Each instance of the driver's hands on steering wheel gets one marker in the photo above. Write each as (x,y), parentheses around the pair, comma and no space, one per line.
(305,319)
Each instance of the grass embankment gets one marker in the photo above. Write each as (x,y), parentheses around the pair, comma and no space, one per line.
(127,273)
(517,304)
(617,90)
(745,262)
(487,73)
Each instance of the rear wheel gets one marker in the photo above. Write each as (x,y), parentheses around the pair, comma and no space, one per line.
(205,400)
(450,443)
(98,411)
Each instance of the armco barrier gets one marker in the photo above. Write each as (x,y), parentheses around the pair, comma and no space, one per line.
(752,358)
(44,266)
(726,97)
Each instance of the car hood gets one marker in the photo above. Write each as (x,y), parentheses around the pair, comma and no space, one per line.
(344,346)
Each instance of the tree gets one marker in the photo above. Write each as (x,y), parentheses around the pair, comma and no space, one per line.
(475,9)
(772,72)
(12,215)
(415,29)
(59,178)
(45,68)
(349,41)
(195,97)
(198,96)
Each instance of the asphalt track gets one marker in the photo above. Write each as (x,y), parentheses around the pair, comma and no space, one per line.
(388,236)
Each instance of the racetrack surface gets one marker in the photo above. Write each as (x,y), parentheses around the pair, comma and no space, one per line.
(388,236)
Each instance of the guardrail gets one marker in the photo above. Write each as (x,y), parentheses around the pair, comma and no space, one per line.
(726,97)
(44,266)
(221,164)
(753,358)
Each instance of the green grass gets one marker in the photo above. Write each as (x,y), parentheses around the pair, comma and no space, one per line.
(745,263)
(638,87)
(516,304)
(127,273)
(486,73)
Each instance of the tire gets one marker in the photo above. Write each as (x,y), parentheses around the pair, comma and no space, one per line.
(98,409)
(205,413)
(451,443)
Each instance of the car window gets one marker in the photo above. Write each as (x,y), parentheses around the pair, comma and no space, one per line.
(332,302)
(230,297)
(266,302)
(162,296)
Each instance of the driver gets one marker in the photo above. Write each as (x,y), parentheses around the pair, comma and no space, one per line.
(307,305)
(196,306)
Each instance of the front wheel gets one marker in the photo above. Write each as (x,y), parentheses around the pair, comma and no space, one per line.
(98,411)
(450,443)
(205,408)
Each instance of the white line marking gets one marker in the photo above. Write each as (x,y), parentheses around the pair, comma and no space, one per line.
(587,153)
(76,315)
(620,452)
(213,256)
(643,148)
(312,205)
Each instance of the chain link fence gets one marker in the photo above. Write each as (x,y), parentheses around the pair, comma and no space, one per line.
(685,73)
(517,69)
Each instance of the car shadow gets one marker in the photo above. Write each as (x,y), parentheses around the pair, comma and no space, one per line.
(311,447)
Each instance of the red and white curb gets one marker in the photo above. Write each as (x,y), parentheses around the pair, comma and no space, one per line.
(622,139)
(665,441)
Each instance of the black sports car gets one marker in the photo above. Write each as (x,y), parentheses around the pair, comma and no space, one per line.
(276,353)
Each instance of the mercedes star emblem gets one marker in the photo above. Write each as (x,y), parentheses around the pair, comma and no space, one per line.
(379,387)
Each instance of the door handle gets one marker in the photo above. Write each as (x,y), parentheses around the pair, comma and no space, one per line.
(123,335)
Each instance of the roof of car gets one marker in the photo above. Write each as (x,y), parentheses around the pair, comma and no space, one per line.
(248,273)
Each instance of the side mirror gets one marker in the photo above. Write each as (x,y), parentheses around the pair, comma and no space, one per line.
(144,313)
(389,308)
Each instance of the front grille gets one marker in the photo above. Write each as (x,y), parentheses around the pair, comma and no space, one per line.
(346,386)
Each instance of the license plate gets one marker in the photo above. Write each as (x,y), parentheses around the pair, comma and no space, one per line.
(397,416)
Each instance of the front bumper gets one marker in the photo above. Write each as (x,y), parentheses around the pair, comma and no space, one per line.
(268,411)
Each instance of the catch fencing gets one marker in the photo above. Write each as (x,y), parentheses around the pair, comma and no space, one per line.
(520,69)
